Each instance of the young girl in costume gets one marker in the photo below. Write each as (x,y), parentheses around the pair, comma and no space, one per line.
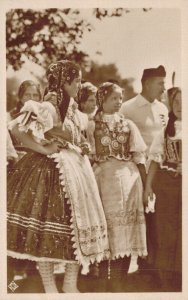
(165,180)
(88,105)
(54,209)
(119,170)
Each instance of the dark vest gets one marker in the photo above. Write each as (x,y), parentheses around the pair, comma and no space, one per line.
(173,153)
(112,143)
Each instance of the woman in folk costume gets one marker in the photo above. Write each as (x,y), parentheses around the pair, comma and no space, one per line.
(54,208)
(119,170)
(165,180)
(88,105)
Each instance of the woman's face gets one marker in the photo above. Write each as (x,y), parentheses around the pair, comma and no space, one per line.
(176,106)
(73,88)
(31,93)
(89,106)
(113,102)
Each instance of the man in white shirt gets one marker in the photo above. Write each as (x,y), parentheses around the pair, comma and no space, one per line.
(149,114)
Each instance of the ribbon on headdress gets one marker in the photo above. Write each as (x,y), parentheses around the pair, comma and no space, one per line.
(102,92)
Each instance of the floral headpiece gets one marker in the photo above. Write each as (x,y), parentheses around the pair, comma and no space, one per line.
(103,91)
(61,72)
(58,74)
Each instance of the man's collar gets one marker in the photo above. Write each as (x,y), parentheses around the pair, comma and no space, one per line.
(142,101)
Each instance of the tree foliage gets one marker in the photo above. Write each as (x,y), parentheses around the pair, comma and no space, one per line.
(44,36)
(100,13)
(99,73)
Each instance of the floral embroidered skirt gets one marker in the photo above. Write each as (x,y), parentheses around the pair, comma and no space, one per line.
(121,191)
(165,225)
(38,222)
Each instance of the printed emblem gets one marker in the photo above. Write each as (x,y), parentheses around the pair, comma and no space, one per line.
(13,286)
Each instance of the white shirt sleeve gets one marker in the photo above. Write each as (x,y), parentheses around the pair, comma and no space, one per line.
(156,152)
(83,120)
(11,152)
(137,144)
(90,136)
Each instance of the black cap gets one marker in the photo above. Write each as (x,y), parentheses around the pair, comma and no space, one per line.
(154,72)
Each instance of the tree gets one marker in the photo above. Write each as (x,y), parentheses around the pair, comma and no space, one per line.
(100,13)
(44,36)
(101,73)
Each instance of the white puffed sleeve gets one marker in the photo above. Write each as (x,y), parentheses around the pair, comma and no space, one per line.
(11,152)
(90,136)
(83,120)
(156,152)
(36,117)
(137,144)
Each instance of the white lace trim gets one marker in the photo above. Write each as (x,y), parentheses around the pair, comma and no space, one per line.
(83,260)
(18,255)
(167,168)
(137,252)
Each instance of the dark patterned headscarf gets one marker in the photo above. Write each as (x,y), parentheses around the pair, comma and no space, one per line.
(58,74)
(104,90)
(170,128)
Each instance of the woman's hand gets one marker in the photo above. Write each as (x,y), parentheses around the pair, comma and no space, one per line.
(54,147)
(148,193)
(51,97)
(85,147)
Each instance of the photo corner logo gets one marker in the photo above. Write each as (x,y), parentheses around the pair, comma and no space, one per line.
(13,286)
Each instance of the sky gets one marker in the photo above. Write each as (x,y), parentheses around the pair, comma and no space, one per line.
(136,41)
(133,42)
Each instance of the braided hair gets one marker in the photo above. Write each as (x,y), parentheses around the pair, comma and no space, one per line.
(58,74)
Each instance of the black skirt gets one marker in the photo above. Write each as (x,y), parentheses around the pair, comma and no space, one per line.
(165,225)
(38,215)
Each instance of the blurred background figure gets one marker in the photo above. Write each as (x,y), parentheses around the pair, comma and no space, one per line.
(87,98)
(169,97)
(11,151)
(28,90)
(87,104)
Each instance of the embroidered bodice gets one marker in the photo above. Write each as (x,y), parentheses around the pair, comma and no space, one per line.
(167,151)
(112,135)
(172,152)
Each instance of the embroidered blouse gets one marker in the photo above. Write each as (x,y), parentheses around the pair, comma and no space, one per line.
(44,122)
